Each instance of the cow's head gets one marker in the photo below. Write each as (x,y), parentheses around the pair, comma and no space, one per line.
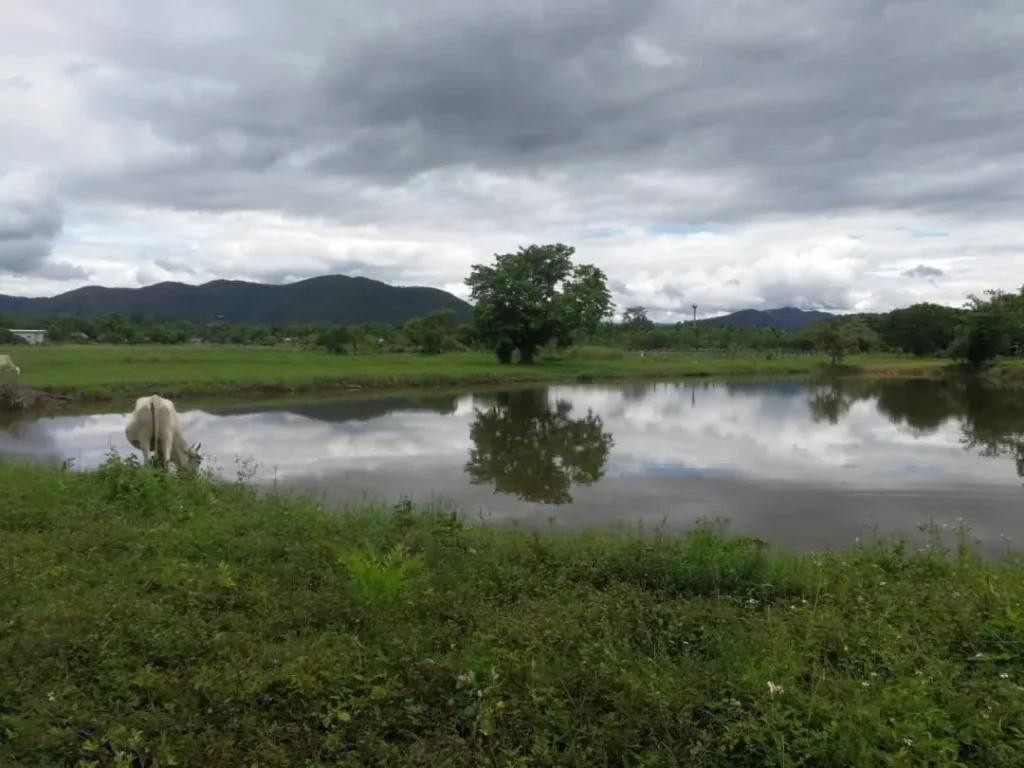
(194,457)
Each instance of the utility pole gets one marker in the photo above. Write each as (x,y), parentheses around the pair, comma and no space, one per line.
(696,331)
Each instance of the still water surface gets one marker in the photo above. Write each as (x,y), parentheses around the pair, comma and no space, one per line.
(807,466)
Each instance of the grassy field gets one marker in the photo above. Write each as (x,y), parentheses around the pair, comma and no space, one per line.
(154,620)
(108,372)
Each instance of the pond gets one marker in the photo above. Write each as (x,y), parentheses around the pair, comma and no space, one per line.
(805,465)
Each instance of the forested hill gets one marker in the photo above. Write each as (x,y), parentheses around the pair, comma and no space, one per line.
(327,299)
(784,319)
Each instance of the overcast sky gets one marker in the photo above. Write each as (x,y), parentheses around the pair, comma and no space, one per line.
(840,154)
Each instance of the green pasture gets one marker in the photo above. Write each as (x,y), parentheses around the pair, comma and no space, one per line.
(105,372)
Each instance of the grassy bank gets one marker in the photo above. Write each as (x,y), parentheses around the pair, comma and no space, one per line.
(160,621)
(98,372)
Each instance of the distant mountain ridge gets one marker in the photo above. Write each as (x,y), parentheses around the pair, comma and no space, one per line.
(782,319)
(326,299)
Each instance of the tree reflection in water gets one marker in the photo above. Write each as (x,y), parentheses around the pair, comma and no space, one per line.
(991,417)
(830,403)
(532,448)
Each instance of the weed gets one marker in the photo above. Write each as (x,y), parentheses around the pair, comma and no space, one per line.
(382,579)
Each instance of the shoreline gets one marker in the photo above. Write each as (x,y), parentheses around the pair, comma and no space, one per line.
(387,374)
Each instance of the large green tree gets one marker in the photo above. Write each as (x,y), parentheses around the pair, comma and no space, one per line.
(636,318)
(535,296)
(993,326)
(430,333)
(336,339)
(833,337)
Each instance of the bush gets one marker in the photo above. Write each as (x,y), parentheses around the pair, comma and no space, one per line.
(8,339)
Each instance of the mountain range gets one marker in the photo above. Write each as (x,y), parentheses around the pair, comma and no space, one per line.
(783,319)
(326,299)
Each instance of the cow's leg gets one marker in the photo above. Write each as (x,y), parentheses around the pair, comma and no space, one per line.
(165,456)
(159,453)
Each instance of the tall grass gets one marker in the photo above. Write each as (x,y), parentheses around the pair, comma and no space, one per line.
(154,620)
(104,372)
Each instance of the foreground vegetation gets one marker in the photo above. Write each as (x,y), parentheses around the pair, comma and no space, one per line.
(154,620)
(98,372)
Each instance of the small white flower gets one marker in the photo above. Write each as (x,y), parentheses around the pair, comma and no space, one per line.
(774,689)
(1004,676)
(866,684)
(908,741)
(51,696)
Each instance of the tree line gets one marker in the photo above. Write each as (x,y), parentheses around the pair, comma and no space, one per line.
(538,300)
(538,297)
(438,332)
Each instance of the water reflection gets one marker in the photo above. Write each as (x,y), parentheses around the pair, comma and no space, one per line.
(353,409)
(530,446)
(829,404)
(785,460)
(990,418)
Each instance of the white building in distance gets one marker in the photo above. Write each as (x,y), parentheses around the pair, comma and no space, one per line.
(32,336)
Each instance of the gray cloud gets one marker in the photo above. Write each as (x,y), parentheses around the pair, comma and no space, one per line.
(61,270)
(922,270)
(830,106)
(450,121)
(30,222)
(174,267)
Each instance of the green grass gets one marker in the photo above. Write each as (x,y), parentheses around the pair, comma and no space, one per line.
(98,372)
(155,620)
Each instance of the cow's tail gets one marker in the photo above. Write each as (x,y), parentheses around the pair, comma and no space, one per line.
(161,444)
(154,441)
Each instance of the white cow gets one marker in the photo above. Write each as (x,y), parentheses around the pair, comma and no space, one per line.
(6,364)
(155,427)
